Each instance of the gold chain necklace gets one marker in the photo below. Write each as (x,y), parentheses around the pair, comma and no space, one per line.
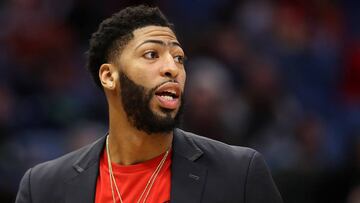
(149,184)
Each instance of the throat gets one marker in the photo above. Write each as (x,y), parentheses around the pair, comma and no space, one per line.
(129,149)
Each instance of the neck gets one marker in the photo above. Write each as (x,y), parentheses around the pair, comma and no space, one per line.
(129,145)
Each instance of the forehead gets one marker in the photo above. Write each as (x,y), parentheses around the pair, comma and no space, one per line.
(152,32)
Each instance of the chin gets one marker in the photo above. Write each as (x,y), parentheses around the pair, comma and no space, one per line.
(167,112)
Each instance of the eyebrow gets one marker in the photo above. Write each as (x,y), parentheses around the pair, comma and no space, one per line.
(160,42)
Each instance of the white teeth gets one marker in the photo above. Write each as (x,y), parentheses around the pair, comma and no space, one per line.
(167,97)
(171,91)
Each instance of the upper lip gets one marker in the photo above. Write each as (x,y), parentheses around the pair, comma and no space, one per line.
(170,87)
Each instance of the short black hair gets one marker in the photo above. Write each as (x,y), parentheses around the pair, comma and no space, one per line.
(115,32)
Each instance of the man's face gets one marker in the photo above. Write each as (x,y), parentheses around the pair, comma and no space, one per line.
(152,79)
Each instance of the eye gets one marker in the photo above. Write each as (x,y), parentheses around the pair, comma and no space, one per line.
(179,59)
(151,55)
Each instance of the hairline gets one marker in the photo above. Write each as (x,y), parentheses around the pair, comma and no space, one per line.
(117,46)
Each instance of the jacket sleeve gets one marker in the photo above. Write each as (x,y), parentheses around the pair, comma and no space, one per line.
(260,186)
(24,193)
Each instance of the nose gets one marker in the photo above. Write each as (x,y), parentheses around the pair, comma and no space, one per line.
(169,68)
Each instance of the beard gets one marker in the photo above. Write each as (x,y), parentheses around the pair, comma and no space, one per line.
(136,103)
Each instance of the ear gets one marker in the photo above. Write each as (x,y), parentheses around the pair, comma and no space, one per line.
(107,76)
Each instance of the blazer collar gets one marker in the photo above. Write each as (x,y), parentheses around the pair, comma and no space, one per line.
(182,145)
(187,179)
(188,176)
(91,155)
(81,187)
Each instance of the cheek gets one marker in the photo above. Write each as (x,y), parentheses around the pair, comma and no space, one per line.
(142,77)
(145,74)
(182,79)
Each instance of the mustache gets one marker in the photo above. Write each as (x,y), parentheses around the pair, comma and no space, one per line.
(168,81)
(152,90)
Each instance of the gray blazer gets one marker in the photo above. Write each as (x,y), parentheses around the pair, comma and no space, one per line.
(203,170)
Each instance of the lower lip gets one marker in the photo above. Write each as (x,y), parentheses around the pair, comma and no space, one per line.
(168,104)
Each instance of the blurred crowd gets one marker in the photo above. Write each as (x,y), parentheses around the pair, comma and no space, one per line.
(282,77)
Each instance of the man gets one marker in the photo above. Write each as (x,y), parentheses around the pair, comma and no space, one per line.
(137,60)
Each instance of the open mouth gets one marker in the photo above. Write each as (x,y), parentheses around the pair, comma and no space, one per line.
(168,95)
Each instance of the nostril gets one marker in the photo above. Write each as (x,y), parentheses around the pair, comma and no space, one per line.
(168,74)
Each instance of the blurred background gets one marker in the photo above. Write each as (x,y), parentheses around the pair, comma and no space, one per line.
(282,77)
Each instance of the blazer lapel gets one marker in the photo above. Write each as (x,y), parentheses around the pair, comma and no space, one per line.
(188,177)
(82,186)
(187,180)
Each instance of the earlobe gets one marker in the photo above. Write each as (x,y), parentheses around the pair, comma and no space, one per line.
(107,76)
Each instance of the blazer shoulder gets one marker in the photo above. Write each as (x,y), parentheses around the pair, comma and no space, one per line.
(220,149)
(63,166)
(241,167)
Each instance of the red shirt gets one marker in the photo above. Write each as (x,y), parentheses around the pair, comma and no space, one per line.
(131,181)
